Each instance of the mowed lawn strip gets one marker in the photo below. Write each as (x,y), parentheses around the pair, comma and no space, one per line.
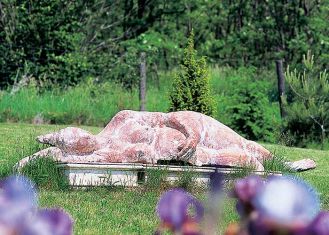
(119,211)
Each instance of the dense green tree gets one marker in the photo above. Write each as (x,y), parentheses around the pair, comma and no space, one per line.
(257,32)
(191,89)
(63,42)
(41,38)
(249,110)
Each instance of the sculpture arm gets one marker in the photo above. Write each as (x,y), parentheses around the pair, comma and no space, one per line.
(189,127)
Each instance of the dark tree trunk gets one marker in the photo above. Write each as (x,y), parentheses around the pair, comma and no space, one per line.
(142,84)
(141,8)
(281,85)
(156,75)
(126,19)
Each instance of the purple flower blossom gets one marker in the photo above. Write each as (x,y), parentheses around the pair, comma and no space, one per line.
(216,182)
(174,209)
(18,198)
(245,189)
(287,201)
(19,213)
(320,225)
(257,226)
(49,222)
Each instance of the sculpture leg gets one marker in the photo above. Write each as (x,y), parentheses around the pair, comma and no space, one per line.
(139,153)
(90,158)
(227,157)
(256,150)
(130,153)
(52,152)
(107,155)
(58,155)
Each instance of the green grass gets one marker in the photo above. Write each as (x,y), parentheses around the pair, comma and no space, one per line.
(45,173)
(318,177)
(96,106)
(100,102)
(123,211)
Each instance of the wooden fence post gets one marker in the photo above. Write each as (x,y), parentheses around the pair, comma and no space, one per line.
(142,83)
(281,85)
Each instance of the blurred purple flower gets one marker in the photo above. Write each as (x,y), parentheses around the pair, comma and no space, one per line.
(214,202)
(19,212)
(257,226)
(49,222)
(287,201)
(216,182)
(19,188)
(245,189)
(174,209)
(320,225)
(18,198)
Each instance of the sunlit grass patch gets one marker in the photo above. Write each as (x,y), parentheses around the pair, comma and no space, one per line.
(122,211)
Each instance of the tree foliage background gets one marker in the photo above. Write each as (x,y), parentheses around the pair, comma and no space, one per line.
(63,42)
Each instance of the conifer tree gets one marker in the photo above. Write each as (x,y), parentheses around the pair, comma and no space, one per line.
(310,101)
(191,88)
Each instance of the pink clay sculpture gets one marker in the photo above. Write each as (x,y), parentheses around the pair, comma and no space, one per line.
(147,137)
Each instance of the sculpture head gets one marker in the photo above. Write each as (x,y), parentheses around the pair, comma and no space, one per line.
(71,140)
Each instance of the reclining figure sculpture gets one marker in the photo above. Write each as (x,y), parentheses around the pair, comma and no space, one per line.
(147,137)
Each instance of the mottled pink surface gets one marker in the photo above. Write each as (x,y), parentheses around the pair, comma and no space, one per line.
(146,137)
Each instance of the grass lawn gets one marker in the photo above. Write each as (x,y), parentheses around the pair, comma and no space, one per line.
(118,211)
